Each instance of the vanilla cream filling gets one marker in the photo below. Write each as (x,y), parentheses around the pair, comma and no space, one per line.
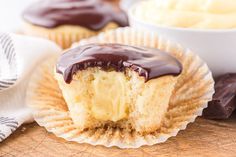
(110,101)
(204,14)
(96,97)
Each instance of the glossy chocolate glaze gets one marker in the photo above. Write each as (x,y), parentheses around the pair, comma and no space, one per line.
(91,14)
(149,63)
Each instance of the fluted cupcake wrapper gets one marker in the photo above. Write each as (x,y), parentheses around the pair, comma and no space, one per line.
(64,35)
(194,88)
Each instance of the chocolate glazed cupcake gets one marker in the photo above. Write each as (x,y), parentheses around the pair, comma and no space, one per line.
(117,92)
(117,85)
(67,21)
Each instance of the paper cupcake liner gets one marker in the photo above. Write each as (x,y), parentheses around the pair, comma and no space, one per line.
(64,35)
(193,90)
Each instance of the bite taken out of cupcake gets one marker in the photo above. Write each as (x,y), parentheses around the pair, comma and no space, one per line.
(117,85)
(124,88)
(68,21)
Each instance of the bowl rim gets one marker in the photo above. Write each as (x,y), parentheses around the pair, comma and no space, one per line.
(132,17)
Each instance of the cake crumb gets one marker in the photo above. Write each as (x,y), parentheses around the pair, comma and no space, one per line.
(23,129)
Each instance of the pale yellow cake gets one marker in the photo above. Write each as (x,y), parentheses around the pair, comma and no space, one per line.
(96,98)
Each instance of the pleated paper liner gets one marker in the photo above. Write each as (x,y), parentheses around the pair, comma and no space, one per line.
(64,35)
(193,90)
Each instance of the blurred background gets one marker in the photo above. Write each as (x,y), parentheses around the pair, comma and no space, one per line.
(10,14)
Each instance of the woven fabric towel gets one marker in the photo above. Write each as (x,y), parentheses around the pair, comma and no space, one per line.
(19,56)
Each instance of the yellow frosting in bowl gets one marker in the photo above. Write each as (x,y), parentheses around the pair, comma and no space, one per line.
(203,14)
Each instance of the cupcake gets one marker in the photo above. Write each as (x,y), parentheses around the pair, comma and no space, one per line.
(67,21)
(118,85)
(124,88)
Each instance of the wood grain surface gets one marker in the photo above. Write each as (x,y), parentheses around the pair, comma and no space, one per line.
(204,138)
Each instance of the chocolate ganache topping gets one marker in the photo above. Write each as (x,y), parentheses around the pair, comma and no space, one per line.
(147,62)
(91,14)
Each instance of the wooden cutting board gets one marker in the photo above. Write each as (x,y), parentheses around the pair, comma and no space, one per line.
(204,138)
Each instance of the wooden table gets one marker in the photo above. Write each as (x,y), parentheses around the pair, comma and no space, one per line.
(204,138)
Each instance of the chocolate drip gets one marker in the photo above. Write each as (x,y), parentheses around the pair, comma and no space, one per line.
(91,14)
(149,63)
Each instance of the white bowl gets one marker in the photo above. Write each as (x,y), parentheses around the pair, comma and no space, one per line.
(216,47)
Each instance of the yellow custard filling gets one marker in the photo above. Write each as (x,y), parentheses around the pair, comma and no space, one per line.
(110,96)
(203,14)
(96,97)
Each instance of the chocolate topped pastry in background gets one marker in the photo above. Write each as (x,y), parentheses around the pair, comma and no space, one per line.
(91,14)
(118,85)
(67,21)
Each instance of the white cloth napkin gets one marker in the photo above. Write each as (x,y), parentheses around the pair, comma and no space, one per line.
(19,55)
